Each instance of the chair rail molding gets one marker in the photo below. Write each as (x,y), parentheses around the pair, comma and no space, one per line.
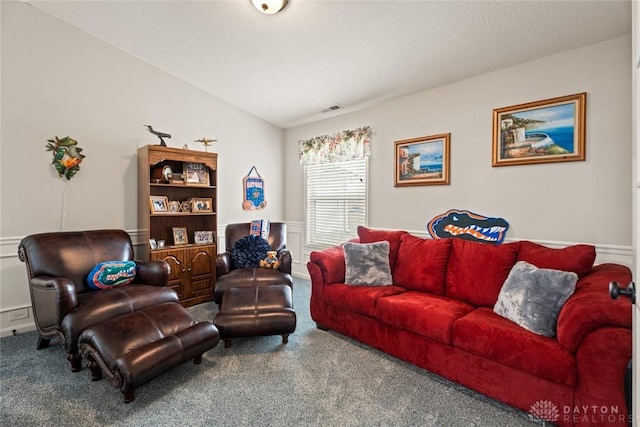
(620,254)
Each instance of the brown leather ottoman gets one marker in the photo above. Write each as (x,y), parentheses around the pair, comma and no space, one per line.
(257,311)
(134,348)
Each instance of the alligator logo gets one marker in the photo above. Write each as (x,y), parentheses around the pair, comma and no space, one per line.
(468,226)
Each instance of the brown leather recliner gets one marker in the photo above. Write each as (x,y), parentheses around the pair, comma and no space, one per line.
(62,302)
(228,276)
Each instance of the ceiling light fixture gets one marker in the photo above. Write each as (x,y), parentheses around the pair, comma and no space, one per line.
(270,7)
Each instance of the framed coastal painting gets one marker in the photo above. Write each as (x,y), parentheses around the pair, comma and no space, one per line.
(547,131)
(422,161)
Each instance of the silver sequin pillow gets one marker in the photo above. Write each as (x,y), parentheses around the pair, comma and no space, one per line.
(367,264)
(532,297)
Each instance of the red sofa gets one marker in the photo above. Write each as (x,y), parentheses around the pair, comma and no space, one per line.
(438,314)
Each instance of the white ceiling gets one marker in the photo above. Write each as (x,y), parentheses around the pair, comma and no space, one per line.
(285,68)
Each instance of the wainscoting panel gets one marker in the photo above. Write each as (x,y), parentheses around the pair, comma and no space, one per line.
(15,293)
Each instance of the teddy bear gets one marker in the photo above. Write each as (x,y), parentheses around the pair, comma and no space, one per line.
(271,261)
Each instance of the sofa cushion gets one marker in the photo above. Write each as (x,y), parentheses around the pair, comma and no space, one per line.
(489,335)
(370,235)
(476,271)
(358,299)
(577,258)
(532,297)
(367,264)
(429,315)
(422,264)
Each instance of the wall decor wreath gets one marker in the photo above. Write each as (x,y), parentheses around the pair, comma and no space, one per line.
(67,156)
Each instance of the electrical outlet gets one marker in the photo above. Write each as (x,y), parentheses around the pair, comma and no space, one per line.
(22,313)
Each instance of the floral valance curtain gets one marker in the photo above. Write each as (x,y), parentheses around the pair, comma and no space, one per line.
(343,146)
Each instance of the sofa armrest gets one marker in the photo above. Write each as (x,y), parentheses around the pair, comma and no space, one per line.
(53,298)
(152,273)
(590,307)
(285,258)
(331,264)
(224,264)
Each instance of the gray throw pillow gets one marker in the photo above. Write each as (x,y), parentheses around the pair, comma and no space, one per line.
(367,264)
(532,297)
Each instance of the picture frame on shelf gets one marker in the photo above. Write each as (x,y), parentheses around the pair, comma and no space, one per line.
(180,236)
(159,204)
(201,205)
(196,174)
(174,206)
(186,206)
(422,161)
(203,237)
(547,131)
(153,244)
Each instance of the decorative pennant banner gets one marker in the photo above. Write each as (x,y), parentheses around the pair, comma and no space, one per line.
(253,187)
(467,225)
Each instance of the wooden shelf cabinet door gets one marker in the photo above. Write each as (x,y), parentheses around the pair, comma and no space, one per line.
(175,259)
(193,271)
(201,272)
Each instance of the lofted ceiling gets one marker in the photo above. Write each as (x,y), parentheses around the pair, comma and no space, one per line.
(286,68)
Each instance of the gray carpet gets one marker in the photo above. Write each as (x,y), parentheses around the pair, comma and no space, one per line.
(318,379)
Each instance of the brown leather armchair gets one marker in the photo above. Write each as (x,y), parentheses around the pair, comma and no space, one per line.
(62,302)
(230,277)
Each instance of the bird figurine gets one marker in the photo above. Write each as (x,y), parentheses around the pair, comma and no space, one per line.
(206,142)
(159,135)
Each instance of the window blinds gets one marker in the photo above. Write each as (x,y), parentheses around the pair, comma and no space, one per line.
(336,201)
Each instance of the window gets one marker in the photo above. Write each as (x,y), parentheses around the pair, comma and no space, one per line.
(336,201)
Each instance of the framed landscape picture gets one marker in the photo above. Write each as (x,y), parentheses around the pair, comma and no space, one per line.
(547,131)
(422,161)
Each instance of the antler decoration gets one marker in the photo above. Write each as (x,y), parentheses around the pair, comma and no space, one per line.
(67,156)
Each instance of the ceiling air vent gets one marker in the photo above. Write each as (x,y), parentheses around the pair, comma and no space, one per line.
(331,108)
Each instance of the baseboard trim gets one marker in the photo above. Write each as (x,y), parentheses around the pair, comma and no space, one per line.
(7,332)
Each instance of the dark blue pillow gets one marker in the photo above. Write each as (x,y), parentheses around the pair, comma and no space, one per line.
(248,251)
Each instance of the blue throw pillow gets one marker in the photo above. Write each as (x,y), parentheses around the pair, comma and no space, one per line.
(109,274)
(248,251)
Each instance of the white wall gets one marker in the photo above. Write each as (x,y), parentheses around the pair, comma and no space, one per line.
(58,80)
(561,202)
